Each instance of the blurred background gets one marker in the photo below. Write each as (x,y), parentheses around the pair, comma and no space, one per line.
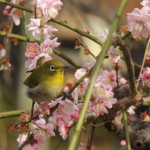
(94,14)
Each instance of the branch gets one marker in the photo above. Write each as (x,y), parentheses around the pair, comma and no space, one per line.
(78,128)
(68,59)
(9,114)
(143,62)
(16,6)
(126,130)
(77,30)
(19,37)
(129,63)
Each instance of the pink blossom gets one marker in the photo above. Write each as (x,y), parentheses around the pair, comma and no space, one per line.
(106,79)
(13,12)
(42,130)
(9,36)
(86,29)
(32,50)
(103,100)
(22,138)
(146,3)
(123,142)
(49,8)
(65,111)
(122,81)
(80,73)
(145,76)
(35,26)
(64,128)
(103,34)
(33,145)
(30,64)
(138,22)
(48,45)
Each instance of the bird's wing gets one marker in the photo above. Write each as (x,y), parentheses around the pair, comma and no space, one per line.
(32,81)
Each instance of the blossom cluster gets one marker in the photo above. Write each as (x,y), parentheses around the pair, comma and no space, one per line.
(46,10)
(138,20)
(14,12)
(46,122)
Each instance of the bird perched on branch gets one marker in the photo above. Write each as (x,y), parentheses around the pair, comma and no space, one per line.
(46,82)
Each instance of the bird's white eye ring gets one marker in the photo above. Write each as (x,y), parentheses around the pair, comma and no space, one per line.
(52,68)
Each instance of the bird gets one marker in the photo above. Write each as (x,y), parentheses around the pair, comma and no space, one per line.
(46,82)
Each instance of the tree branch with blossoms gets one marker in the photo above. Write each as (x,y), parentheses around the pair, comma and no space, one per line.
(97,93)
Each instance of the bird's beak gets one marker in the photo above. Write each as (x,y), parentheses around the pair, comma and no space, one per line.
(62,67)
(65,67)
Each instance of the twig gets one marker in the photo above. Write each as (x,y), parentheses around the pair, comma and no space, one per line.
(68,59)
(65,24)
(126,130)
(78,128)
(19,37)
(129,64)
(143,62)
(11,113)
(91,138)
(4,2)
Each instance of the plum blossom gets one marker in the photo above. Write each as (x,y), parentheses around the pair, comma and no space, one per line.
(30,64)
(106,80)
(123,142)
(49,8)
(35,27)
(42,130)
(48,45)
(111,53)
(104,99)
(32,50)
(22,138)
(145,76)
(103,34)
(65,111)
(32,143)
(138,22)
(13,12)
(146,3)
(64,128)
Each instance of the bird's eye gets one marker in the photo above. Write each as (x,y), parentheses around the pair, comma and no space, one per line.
(52,68)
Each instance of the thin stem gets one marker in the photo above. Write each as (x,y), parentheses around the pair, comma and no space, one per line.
(78,128)
(19,37)
(129,64)
(11,113)
(65,24)
(28,138)
(42,29)
(117,76)
(32,110)
(25,24)
(68,59)
(126,129)
(16,6)
(91,138)
(143,62)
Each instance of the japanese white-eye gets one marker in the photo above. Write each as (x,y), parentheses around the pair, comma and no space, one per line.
(46,82)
